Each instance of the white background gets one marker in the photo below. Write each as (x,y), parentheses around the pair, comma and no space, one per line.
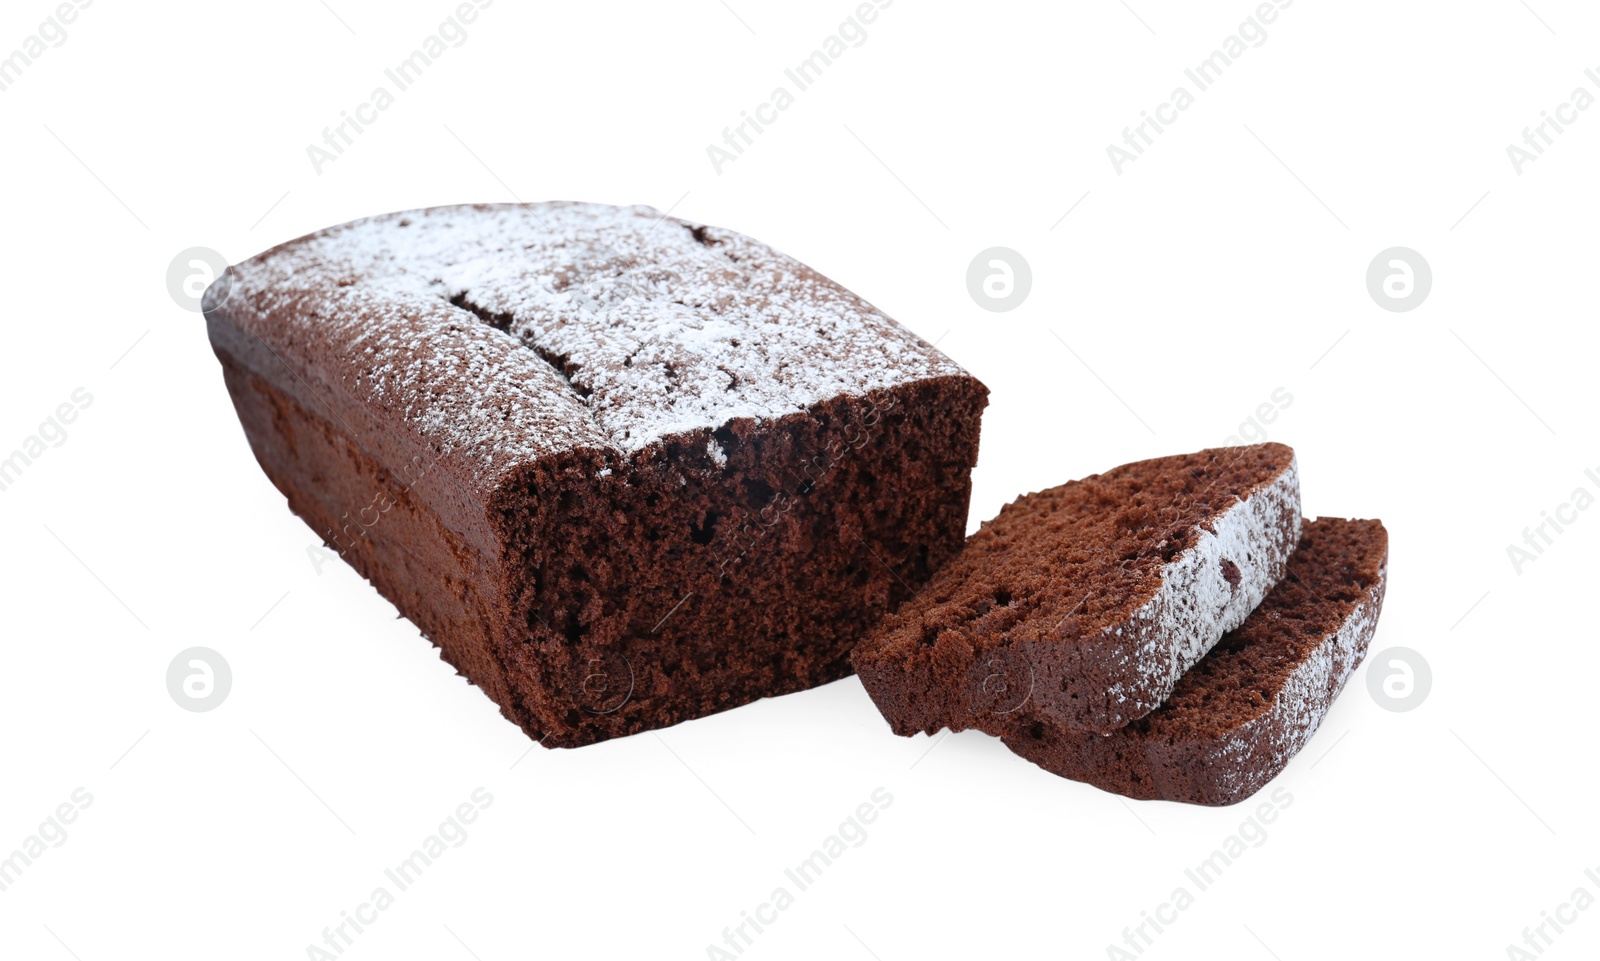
(1227,262)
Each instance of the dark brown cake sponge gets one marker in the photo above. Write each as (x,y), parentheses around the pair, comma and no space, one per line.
(1082,605)
(1237,718)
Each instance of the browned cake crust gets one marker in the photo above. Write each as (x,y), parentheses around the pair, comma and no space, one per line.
(1237,718)
(1082,605)
(624,470)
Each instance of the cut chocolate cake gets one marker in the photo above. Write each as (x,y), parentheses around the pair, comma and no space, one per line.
(1234,721)
(1082,605)
(623,469)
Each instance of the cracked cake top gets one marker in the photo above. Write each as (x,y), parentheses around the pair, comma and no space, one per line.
(502,333)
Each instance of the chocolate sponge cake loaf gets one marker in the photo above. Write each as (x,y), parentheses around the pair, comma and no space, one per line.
(624,470)
(1082,605)
(1234,721)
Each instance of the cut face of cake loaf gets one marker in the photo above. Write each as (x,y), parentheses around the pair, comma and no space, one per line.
(622,469)
(1081,606)
(1234,721)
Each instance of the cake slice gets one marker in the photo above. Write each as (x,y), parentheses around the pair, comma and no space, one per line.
(624,470)
(1234,721)
(1082,605)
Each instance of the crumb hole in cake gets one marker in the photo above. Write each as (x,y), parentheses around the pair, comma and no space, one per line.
(1230,573)
(704,533)
(572,629)
(1002,598)
(757,492)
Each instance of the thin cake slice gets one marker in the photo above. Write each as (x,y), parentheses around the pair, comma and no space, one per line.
(1082,605)
(1235,720)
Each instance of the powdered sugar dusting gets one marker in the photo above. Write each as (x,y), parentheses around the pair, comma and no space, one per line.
(509,331)
(1197,604)
(1254,753)
(1297,681)
(1194,606)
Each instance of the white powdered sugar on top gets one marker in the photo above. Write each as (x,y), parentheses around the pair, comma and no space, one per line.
(1196,604)
(1255,752)
(511,331)
(1187,758)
